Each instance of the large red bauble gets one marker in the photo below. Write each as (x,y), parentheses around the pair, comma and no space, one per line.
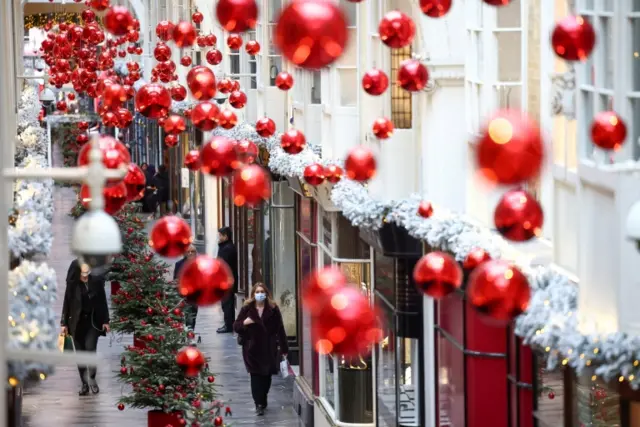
(153,100)
(396,29)
(319,286)
(518,216)
(164,30)
(190,360)
(178,93)
(499,290)
(475,258)
(88,16)
(284,81)
(251,185)
(162,52)
(197,17)
(224,85)
(412,75)
(170,237)
(333,173)
(184,34)
(237,16)
(214,57)
(135,182)
(174,124)
(382,128)
(219,157)
(375,82)
(311,34)
(114,153)
(238,99)
(247,151)
(360,164)
(437,274)
(435,8)
(83,125)
(205,280)
(211,39)
(99,5)
(118,20)
(293,141)
(82,138)
(125,118)
(202,83)
(425,209)
(204,116)
(234,41)
(171,140)
(114,95)
(115,197)
(192,160)
(573,38)
(314,174)
(608,130)
(227,119)
(510,149)
(348,324)
(252,47)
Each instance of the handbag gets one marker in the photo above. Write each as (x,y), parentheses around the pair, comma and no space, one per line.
(241,340)
(65,343)
(284,367)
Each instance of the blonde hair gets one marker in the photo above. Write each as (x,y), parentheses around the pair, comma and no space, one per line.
(252,294)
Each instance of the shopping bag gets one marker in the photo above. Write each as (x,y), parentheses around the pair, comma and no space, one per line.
(68,344)
(61,342)
(284,368)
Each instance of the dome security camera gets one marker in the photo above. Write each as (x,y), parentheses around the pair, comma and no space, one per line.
(95,239)
(633,224)
(47,97)
(220,98)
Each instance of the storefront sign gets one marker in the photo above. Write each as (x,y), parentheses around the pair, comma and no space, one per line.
(407,408)
(184,176)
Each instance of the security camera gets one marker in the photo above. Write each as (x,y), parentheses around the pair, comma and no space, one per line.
(47,97)
(633,224)
(220,98)
(95,239)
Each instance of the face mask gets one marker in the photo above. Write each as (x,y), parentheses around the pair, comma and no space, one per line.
(261,297)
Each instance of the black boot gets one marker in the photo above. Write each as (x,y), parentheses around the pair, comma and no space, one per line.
(94,386)
(224,330)
(259,410)
(84,390)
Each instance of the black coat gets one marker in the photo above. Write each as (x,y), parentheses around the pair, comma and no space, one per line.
(161,182)
(261,339)
(228,253)
(72,305)
(178,267)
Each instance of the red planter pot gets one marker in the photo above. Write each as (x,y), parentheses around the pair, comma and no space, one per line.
(139,343)
(115,288)
(162,419)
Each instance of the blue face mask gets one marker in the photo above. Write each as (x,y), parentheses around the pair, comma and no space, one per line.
(260,297)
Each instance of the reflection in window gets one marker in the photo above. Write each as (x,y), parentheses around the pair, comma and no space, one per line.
(316,88)
(386,372)
(329,385)
(408,381)
(401,108)
(306,265)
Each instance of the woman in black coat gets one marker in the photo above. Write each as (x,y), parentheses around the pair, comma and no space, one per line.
(85,316)
(161,183)
(261,329)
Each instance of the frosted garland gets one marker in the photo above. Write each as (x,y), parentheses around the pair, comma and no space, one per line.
(68,118)
(549,324)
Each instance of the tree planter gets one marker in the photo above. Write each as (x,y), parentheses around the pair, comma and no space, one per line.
(14,407)
(158,418)
(139,342)
(115,288)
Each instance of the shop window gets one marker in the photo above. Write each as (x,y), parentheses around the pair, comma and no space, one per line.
(347,66)
(549,395)
(401,108)
(274,58)
(316,87)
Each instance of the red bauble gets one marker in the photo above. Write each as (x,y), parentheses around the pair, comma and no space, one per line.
(71,96)
(237,16)
(551,395)
(319,286)
(234,41)
(81,139)
(214,57)
(292,141)
(435,8)
(474,259)
(311,34)
(573,38)
(608,130)
(164,30)
(252,47)
(497,2)
(197,17)
(178,93)
(437,274)
(218,421)
(83,125)
(314,174)
(224,86)
(333,173)
(202,83)
(184,34)
(265,127)
(162,52)
(170,237)
(375,82)
(382,128)
(88,16)
(425,209)
(251,185)
(499,290)
(396,29)
(518,216)
(174,124)
(412,75)
(510,149)
(99,5)
(153,100)
(218,156)
(118,20)
(348,325)
(210,379)
(61,106)
(211,39)
(115,197)
(114,95)
(192,160)
(204,116)
(185,61)
(247,151)
(191,360)
(238,99)
(171,140)
(360,164)
(284,81)
(235,85)
(114,153)
(121,406)
(227,119)
(135,182)
(205,280)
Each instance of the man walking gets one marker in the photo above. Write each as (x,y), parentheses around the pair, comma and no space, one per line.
(228,253)
(191,310)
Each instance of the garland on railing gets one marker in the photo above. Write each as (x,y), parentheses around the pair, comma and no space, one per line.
(550,323)
(40,20)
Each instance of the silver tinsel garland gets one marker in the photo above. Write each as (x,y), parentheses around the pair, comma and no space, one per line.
(550,323)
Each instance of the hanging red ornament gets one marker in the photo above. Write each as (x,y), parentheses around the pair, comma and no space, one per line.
(412,75)
(360,164)
(227,119)
(114,95)
(214,57)
(437,274)
(224,86)
(608,131)
(474,258)
(71,96)
(375,82)
(251,185)
(211,39)
(425,209)
(114,153)
(284,81)
(99,5)
(510,149)
(435,8)
(197,17)
(178,93)
(252,47)
(115,197)
(247,151)
(192,160)
(573,38)
(61,106)
(237,16)
(238,99)
(184,34)
(218,421)
(124,118)
(319,286)
(153,100)
(121,406)
(202,83)
(135,182)
(170,236)
(382,128)
(551,395)
(83,125)
(205,280)
(311,34)
(497,2)
(82,138)
(162,52)
(219,157)
(234,41)
(118,20)
(293,141)
(396,29)
(171,140)
(333,173)
(185,61)
(314,174)
(518,216)
(204,116)
(174,124)
(88,16)
(499,290)
(164,30)
(190,360)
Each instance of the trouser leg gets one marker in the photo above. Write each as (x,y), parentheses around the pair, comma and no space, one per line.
(91,344)
(79,340)
(228,308)
(256,388)
(267,387)
(191,313)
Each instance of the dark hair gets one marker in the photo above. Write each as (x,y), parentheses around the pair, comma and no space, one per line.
(226,231)
(162,168)
(144,164)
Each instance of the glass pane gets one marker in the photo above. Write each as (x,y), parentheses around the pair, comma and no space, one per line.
(586,100)
(509,64)
(351,12)
(597,404)
(316,89)
(327,228)
(508,16)
(635,5)
(635,51)
(608,50)
(386,372)
(305,266)
(408,381)
(508,96)
(550,386)
(273,11)
(305,218)
(329,385)
(401,103)
(275,66)
(253,70)
(588,5)
(588,70)
(451,400)
(349,57)
(384,276)
(605,103)
(199,193)
(477,36)
(635,123)
(234,64)
(348,87)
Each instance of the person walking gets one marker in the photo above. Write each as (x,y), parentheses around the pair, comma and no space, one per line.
(149,200)
(161,183)
(85,316)
(191,310)
(261,330)
(228,253)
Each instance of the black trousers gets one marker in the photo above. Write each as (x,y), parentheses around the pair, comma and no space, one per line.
(260,385)
(190,314)
(86,339)
(229,310)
